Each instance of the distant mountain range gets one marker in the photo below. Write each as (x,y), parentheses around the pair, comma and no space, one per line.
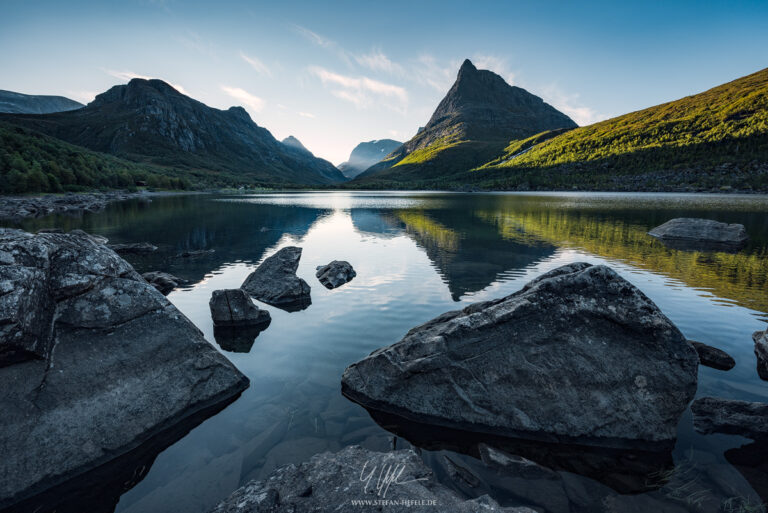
(367,154)
(18,103)
(148,121)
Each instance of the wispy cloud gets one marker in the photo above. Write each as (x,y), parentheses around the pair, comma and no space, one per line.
(244,97)
(362,91)
(127,76)
(429,71)
(376,60)
(323,42)
(256,64)
(569,104)
(307,115)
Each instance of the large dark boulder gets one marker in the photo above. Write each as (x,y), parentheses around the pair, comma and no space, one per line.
(761,352)
(579,354)
(275,282)
(95,361)
(334,482)
(335,274)
(729,416)
(705,234)
(233,307)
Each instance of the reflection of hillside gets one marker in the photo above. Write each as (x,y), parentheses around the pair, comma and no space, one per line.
(740,277)
(237,231)
(468,253)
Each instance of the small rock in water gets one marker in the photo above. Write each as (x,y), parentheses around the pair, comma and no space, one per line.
(705,234)
(332,481)
(196,253)
(133,248)
(335,274)
(163,282)
(731,417)
(233,307)
(713,357)
(275,282)
(761,352)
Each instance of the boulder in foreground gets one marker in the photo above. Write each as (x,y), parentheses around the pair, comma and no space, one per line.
(275,282)
(93,361)
(761,352)
(335,274)
(334,482)
(705,234)
(729,416)
(578,355)
(233,307)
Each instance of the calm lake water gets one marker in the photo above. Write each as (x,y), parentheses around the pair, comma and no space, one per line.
(418,255)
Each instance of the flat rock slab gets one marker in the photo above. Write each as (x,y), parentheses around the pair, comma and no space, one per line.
(275,282)
(705,234)
(233,307)
(761,352)
(334,482)
(713,357)
(133,248)
(335,274)
(578,355)
(93,361)
(729,416)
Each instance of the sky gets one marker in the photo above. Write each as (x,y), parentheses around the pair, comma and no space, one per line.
(334,74)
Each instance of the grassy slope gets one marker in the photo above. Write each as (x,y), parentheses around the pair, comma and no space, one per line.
(702,142)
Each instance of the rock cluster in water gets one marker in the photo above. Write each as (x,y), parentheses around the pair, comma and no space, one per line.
(275,282)
(579,354)
(335,274)
(691,233)
(333,482)
(93,361)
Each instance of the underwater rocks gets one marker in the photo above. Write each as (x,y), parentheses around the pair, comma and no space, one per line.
(275,282)
(578,355)
(705,234)
(334,482)
(233,307)
(729,416)
(22,207)
(335,274)
(93,361)
(713,357)
(761,352)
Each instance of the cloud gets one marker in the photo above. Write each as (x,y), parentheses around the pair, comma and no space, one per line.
(256,64)
(496,64)
(249,100)
(362,91)
(127,76)
(377,61)
(82,96)
(428,71)
(323,42)
(307,115)
(570,105)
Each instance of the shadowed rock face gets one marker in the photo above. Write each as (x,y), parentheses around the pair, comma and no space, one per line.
(688,233)
(579,354)
(275,282)
(95,361)
(729,416)
(330,482)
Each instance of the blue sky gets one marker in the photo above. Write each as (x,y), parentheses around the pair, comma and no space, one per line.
(337,73)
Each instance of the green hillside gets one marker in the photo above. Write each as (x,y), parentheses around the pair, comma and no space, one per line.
(32,162)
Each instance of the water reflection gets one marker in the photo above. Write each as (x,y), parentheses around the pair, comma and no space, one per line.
(416,256)
(238,339)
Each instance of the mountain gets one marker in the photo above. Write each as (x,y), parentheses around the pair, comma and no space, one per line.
(18,103)
(708,141)
(149,121)
(367,154)
(473,123)
(295,144)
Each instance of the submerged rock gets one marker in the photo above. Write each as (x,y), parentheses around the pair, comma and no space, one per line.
(95,361)
(275,282)
(729,416)
(578,355)
(335,274)
(761,352)
(163,282)
(333,482)
(690,233)
(133,248)
(713,357)
(233,307)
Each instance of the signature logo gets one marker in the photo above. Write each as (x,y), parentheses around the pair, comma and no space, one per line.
(385,476)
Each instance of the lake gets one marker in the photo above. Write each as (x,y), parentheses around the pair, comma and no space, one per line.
(418,255)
